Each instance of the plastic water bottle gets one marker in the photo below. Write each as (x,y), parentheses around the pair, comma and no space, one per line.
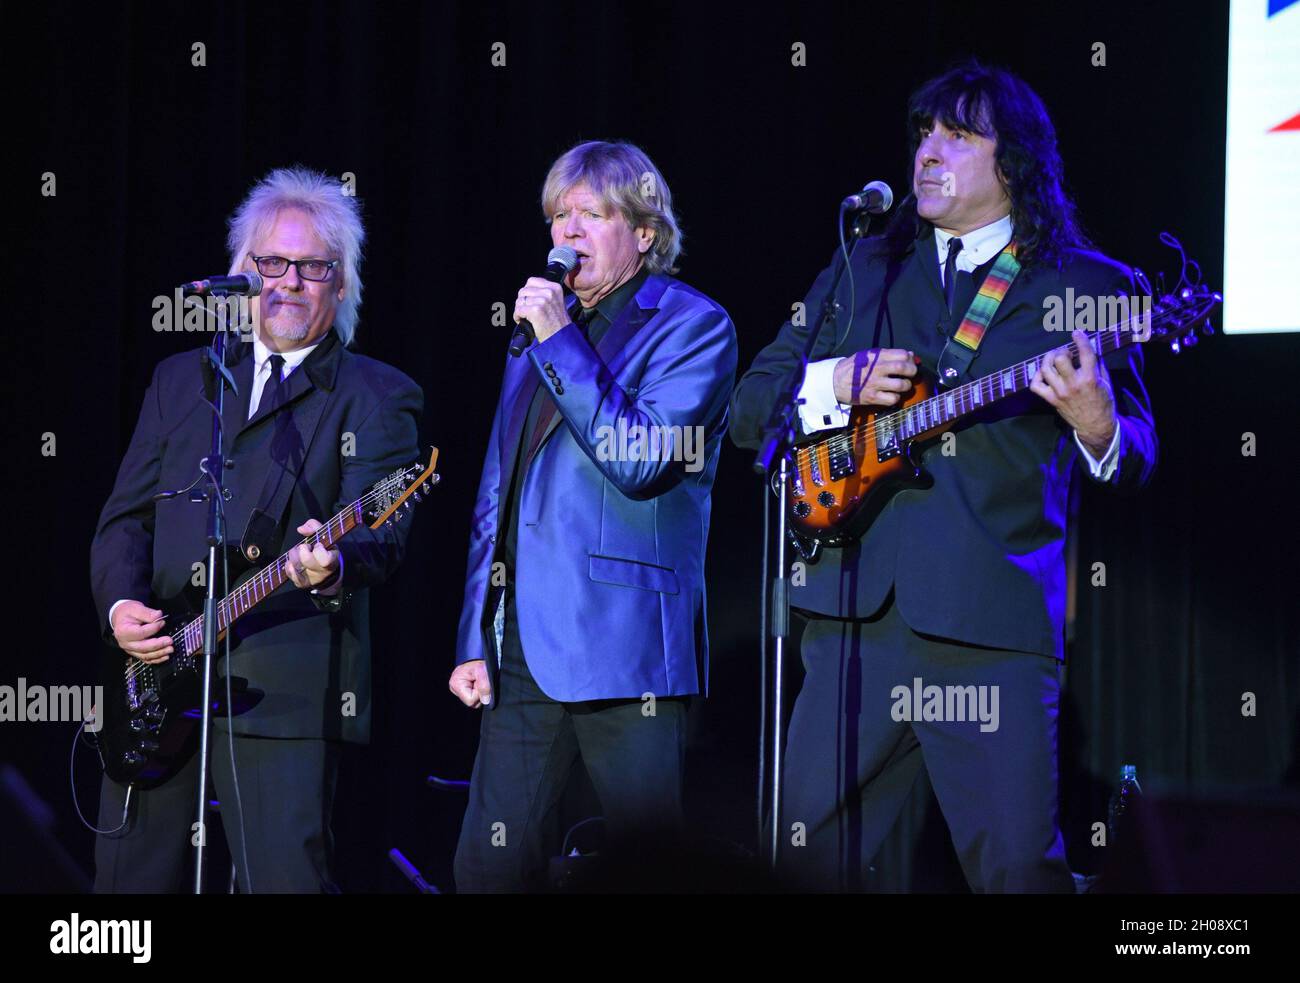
(1123,796)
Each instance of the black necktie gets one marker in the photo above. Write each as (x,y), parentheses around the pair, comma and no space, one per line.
(583,317)
(950,272)
(271,391)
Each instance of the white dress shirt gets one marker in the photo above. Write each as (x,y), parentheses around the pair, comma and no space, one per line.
(262,369)
(820,410)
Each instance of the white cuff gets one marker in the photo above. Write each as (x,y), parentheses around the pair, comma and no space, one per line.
(1103,470)
(116,605)
(819,409)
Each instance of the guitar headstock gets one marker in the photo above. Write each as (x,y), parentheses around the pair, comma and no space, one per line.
(390,498)
(1176,315)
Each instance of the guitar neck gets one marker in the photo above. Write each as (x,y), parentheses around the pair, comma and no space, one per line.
(952,404)
(270,578)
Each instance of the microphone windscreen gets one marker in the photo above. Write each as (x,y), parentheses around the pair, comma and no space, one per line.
(566,256)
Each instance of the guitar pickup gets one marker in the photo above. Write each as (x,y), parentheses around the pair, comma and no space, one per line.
(887,444)
(840,454)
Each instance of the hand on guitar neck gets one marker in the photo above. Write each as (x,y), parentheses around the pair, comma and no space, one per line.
(1082,395)
(875,376)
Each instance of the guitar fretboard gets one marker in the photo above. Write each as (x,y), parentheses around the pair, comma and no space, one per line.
(271,577)
(979,393)
(835,455)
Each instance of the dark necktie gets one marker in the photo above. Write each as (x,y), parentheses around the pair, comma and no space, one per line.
(582,317)
(271,391)
(950,272)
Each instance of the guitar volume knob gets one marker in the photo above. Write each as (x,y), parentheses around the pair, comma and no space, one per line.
(802,509)
(825,499)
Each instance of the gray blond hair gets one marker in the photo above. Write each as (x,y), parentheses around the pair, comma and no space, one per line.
(625,178)
(335,215)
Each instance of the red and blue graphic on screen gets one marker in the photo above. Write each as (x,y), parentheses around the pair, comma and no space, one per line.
(1274,7)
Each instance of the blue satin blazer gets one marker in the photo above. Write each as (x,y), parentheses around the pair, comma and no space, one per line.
(609,579)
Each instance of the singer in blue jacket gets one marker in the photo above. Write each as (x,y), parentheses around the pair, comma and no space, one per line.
(583,630)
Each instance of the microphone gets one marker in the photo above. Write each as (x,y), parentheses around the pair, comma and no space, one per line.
(245,284)
(560,261)
(876,198)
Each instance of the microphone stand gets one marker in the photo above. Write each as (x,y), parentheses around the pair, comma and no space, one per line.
(213,466)
(778,440)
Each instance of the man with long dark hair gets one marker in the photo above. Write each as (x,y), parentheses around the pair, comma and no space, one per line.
(954,597)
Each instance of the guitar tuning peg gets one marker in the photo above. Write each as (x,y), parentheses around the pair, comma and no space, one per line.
(1207,329)
(418,496)
(1190,339)
(1175,347)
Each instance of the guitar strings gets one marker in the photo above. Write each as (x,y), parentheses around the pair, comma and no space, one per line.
(313,540)
(223,607)
(891,422)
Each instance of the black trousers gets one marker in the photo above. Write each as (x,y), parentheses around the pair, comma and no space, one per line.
(851,762)
(528,745)
(287,789)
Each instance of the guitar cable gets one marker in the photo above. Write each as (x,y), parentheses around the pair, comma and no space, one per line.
(72,781)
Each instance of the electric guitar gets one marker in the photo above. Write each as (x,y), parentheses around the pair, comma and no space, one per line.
(150,714)
(840,483)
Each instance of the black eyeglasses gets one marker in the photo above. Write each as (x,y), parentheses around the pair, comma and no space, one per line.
(308,269)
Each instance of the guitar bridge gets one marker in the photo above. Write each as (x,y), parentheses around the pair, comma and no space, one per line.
(140,684)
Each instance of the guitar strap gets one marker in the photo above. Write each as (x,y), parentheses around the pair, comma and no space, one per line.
(262,535)
(960,349)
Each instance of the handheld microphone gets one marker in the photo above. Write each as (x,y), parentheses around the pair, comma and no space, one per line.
(876,198)
(245,284)
(560,261)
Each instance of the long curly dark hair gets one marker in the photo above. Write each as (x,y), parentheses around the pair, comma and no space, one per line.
(996,104)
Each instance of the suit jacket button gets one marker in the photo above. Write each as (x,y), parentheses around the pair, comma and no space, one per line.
(559,389)
(492,540)
(546,366)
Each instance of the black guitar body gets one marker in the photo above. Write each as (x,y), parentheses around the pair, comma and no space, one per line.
(149,720)
(151,713)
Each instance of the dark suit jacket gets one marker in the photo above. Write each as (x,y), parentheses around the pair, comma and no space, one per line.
(979,557)
(304,654)
(610,562)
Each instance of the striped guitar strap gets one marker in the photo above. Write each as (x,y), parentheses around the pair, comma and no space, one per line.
(965,341)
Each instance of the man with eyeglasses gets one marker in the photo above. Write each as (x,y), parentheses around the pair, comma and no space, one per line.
(310,427)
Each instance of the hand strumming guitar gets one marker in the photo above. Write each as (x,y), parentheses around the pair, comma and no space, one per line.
(875,376)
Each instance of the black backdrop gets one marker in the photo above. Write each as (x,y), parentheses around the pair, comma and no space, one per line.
(150,155)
